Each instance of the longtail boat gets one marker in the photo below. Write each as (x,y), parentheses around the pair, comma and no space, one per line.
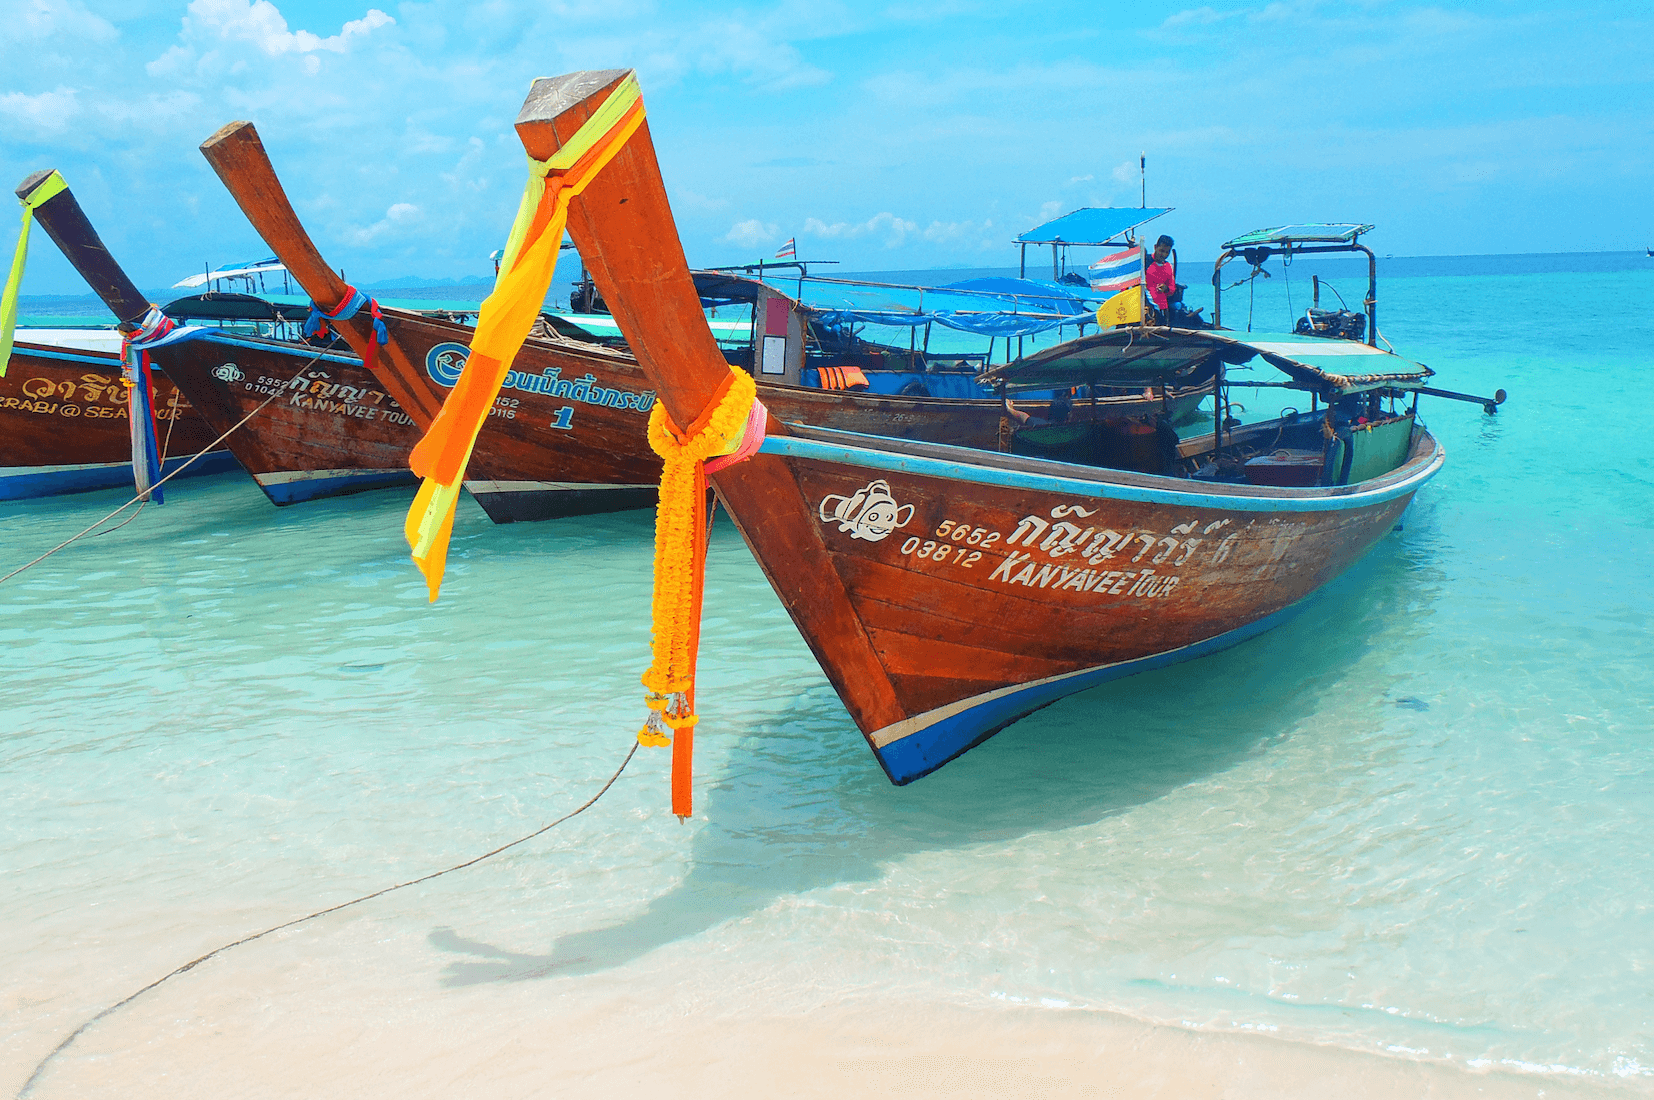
(946,591)
(65,412)
(568,432)
(331,428)
(64,417)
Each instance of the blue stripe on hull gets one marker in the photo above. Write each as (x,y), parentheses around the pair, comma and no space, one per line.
(114,475)
(313,488)
(964,465)
(922,752)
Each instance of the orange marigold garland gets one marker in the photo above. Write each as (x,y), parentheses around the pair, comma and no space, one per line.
(680,565)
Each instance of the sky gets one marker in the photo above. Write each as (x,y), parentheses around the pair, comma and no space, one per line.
(888,136)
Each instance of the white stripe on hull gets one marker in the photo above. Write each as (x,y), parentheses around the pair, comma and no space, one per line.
(287,477)
(23,471)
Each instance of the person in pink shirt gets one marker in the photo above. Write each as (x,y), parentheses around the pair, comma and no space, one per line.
(1160,277)
(1160,280)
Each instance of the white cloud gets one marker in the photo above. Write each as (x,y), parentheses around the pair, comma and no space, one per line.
(1198,17)
(176,61)
(47,18)
(751,233)
(401,215)
(151,109)
(1275,13)
(462,176)
(48,111)
(213,25)
(892,229)
(751,50)
(694,200)
(965,232)
(261,23)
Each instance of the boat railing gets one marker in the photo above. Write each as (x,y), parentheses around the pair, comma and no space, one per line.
(802,276)
(1257,255)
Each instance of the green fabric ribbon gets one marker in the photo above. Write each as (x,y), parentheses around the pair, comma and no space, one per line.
(52,186)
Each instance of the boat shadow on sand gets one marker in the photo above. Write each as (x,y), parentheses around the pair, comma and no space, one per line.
(1102,752)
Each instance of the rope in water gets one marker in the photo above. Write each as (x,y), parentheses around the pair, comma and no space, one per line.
(142,498)
(193,963)
(166,448)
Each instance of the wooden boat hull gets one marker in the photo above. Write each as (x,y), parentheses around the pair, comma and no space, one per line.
(63,416)
(572,419)
(569,431)
(568,434)
(962,423)
(983,587)
(334,429)
(331,429)
(947,592)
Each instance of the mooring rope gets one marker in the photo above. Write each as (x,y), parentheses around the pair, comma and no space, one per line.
(142,498)
(28,1085)
(166,447)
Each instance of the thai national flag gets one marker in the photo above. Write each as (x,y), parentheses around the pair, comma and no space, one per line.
(789,250)
(1118,272)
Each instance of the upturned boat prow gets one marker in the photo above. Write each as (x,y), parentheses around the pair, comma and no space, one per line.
(66,412)
(237,155)
(946,591)
(524,469)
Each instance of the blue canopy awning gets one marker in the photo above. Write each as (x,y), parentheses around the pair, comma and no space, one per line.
(1025,295)
(982,324)
(986,307)
(1092,225)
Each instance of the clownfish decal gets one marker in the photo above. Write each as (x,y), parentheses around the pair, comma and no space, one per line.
(869,513)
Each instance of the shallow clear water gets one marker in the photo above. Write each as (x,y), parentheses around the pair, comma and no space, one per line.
(1412,820)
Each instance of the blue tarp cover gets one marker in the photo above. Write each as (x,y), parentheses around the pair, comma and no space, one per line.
(1026,295)
(987,307)
(1092,225)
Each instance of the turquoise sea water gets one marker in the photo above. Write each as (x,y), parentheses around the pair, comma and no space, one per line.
(1415,820)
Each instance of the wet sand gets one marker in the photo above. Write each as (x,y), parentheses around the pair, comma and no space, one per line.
(672,1047)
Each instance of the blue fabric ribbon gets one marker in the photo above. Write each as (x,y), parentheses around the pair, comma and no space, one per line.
(350,307)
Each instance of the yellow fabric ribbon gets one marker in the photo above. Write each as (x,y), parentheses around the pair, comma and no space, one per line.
(506,318)
(52,186)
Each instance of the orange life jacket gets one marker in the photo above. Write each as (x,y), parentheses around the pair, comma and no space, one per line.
(842,378)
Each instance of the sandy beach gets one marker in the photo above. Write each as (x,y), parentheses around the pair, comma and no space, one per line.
(619,1046)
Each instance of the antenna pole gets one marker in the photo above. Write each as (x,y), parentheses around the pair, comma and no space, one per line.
(1143,178)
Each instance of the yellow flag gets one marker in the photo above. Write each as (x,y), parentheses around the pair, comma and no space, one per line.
(1125,308)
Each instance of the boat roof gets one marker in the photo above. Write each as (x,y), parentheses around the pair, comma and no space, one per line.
(102,338)
(605,327)
(721,287)
(251,267)
(222,306)
(1302,233)
(1161,356)
(1092,225)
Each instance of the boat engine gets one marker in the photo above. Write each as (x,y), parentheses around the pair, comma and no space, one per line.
(1344,324)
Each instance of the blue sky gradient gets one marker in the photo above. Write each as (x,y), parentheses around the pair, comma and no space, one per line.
(888,136)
